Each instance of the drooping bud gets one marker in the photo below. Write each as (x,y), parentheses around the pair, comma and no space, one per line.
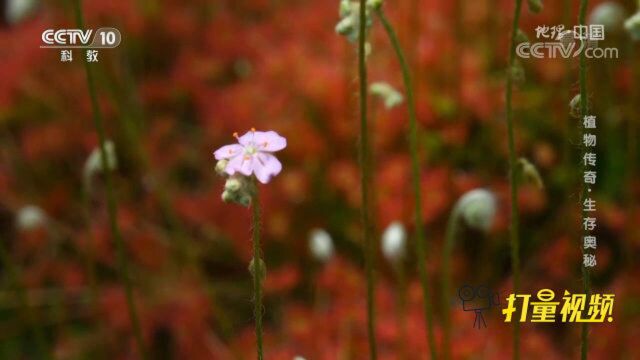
(477,208)
(375,4)
(17,10)
(575,106)
(394,241)
(30,217)
(94,164)
(390,96)
(632,25)
(535,6)
(346,26)
(321,245)
(610,14)
(531,173)
(521,36)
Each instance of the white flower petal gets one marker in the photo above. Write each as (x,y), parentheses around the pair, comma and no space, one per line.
(228,151)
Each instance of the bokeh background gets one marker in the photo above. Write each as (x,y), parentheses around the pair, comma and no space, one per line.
(189,74)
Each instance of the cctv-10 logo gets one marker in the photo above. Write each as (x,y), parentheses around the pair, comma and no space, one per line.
(75,38)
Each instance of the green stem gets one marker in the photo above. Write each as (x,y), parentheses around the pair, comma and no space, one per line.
(257,269)
(449,241)
(365,180)
(415,180)
(513,181)
(586,282)
(14,280)
(112,207)
(401,303)
(90,256)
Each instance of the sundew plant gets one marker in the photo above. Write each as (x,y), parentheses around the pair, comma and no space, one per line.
(299,180)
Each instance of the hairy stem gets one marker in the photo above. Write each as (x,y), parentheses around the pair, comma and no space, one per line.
(90,262)
(257,270)
(365,181)
(112,207)
(586,282)
(401,305)
(513,181)
(415,180)
(446,281)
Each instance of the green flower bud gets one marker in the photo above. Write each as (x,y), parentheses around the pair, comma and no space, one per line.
(228,196)
(374,4)
(346,26)
(535,6)
(221,166)
(233,184)
(521,36)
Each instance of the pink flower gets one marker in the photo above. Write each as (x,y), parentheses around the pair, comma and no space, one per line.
(253,154)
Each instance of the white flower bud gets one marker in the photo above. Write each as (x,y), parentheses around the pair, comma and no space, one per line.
(632,25)
(30,217)
(228,196)
(221,165)
(233,184)
(345,26)
(387,93)
(93,165)
(17,10)
(574,106)
(320,245)
(345,8)
(298,358)
(349,24)
(610,14)
(477,208)
(394,241)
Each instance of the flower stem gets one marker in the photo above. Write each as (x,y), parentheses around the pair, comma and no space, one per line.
(257,271)
(112,207)
(513,181)
(415,177)
(365,180)
(450,237)
(586,281)
(401,304)
(90,263)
